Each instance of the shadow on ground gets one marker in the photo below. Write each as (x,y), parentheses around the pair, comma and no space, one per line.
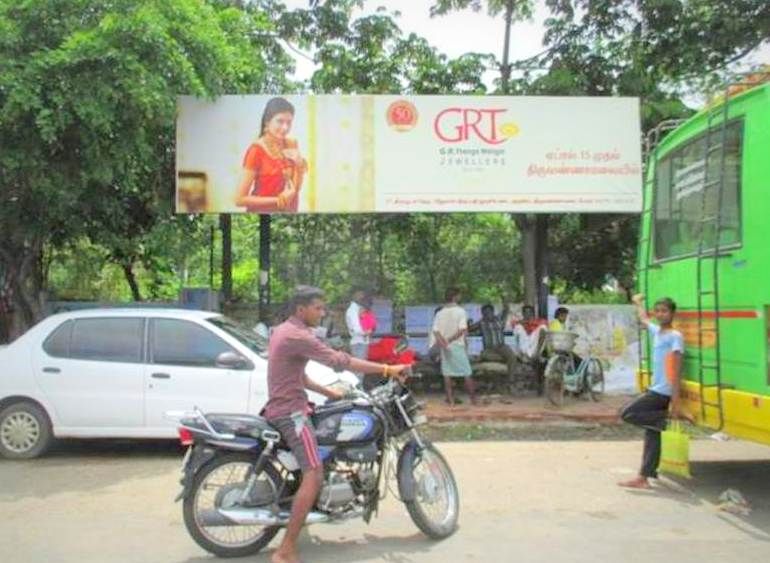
(750,477)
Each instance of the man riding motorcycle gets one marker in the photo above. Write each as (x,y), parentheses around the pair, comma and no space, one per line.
(292,345)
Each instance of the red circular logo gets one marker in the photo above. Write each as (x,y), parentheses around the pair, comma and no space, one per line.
(402,115)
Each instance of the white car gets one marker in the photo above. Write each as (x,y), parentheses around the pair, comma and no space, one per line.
(115,373)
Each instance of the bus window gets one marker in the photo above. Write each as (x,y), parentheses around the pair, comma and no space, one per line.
(680,178)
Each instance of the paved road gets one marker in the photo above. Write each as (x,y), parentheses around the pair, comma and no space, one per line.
(521,501)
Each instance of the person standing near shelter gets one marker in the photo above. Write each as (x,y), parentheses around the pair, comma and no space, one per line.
(359,339)
(325,328)
(651,410)
(450,327)
(559,324)
(368,318)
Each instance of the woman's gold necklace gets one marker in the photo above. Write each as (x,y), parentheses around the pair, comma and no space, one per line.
(273,146)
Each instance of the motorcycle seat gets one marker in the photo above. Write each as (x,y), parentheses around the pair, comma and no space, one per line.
(239,424)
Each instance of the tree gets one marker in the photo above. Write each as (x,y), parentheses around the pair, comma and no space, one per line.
(87,106)
(370,54)
(364,55)
(655,50)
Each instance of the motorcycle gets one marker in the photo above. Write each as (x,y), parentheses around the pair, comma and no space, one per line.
(239,477)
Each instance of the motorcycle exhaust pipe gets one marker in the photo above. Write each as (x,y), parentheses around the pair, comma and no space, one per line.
(253,517)
(212,517)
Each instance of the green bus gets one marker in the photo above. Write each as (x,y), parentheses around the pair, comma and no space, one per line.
(705,242)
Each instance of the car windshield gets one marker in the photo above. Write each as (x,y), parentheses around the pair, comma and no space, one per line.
(249,338)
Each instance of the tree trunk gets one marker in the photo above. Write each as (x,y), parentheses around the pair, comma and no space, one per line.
(534,255)
(432,255)
(128,272)
(533,228)
(505,67)
(541,263)
(226,225)
(527,225)
(379,245)
(211,257)
(21,288)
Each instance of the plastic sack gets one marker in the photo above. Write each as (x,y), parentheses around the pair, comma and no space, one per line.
(675,451)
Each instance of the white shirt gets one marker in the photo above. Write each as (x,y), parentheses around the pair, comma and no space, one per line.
(448,321)
(353,322)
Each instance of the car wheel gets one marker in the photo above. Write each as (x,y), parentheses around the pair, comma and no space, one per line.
(25,431)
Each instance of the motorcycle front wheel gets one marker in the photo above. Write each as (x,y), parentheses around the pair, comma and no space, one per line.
(217,485)
(435,506)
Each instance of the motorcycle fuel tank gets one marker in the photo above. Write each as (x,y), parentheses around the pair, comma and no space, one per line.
(351,426)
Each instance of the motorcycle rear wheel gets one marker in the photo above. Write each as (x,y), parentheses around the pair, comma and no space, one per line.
(220,473)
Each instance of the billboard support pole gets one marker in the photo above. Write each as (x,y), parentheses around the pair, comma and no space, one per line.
(211,257)
(226,226)
(541,263)
(264,268)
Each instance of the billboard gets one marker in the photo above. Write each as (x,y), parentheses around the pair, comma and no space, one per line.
(364,154)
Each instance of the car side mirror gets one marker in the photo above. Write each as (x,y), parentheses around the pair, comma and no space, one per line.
(233,360)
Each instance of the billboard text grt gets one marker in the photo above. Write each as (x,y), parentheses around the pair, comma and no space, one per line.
(369,154)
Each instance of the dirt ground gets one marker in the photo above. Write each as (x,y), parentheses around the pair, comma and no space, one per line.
(520,501)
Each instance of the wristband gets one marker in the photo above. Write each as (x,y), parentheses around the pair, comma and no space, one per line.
(385,370)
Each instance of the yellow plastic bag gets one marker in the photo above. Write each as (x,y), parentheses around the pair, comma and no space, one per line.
(675,451)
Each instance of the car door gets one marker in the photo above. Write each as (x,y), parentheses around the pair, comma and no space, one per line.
(183,373)
(91,371)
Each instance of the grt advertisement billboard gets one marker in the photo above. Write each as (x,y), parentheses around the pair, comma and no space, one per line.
(390,154)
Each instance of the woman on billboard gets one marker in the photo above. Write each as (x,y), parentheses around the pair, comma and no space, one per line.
(273,167)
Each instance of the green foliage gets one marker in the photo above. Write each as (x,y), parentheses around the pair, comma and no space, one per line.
(371,54)
(585,249)
(569,294)
(410,258)
(81,272)
(87,103)
(643,48)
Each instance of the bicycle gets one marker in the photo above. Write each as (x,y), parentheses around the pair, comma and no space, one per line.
(561,375)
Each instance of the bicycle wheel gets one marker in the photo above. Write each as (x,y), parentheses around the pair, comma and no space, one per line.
(555,371)
(594,379)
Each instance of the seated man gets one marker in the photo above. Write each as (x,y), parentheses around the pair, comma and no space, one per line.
(492,329)
(559,322)
(530,333)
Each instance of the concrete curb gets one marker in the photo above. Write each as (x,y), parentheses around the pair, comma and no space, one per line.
(523,417)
